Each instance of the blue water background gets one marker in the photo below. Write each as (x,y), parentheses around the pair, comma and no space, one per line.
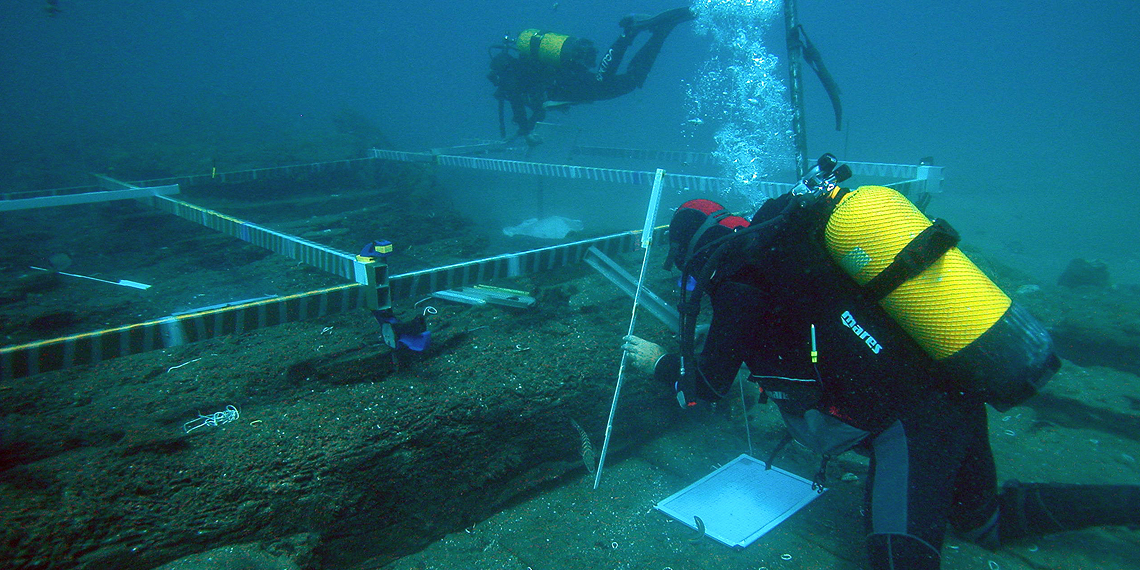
(1031,106)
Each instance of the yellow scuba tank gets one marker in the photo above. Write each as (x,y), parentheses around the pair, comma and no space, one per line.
(549,48)
(977,336)
(945,307)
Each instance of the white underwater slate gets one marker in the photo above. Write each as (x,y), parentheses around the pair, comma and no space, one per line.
(551,227)
(740,502)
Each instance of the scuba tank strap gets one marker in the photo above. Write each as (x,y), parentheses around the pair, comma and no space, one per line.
(926,248)
(536,42)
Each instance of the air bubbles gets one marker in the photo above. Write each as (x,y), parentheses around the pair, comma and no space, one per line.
(739,90)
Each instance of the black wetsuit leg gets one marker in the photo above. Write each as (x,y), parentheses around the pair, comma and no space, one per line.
(611,61)
(607,83)
(611,84)
(931,467)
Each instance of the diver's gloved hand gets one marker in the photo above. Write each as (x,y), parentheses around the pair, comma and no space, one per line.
(643,355)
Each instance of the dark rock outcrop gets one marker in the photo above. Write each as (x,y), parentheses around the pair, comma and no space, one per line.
(333,439)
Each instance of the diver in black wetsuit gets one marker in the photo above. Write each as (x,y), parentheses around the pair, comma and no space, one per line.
(783,302)
(542,70)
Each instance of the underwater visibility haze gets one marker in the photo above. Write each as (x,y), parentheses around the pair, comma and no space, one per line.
(317,444)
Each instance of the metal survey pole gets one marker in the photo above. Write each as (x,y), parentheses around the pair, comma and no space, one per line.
(646,241)
(796,85)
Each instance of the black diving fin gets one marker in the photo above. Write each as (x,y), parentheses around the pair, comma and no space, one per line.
(815,61)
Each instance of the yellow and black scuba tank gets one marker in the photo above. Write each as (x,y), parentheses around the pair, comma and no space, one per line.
(980,340)
(554,50)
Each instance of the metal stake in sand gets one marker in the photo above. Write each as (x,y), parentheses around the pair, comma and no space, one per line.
(646,240)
